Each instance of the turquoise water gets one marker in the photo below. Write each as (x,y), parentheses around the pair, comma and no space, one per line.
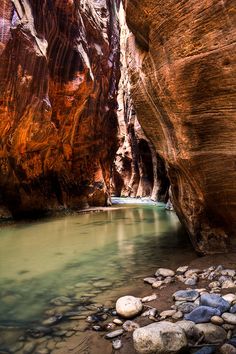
(75,256)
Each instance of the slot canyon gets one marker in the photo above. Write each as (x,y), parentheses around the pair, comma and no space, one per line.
(105,102)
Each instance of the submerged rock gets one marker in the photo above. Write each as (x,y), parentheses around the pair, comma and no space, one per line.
(162,337)
(128,306)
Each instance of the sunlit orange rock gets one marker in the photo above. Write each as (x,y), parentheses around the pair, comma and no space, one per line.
(182,64)
(59,69)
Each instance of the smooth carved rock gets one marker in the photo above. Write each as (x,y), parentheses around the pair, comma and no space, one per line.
(59,70)
(183,74)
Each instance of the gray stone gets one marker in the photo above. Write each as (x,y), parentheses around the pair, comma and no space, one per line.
(150,312)
(128,306)
(228,284)
(202,314)
(186,295)
(229,272)
(149,298)
(157,284)
(181,270)
(190,329)
(149,280)
(212,334)
(229,318)
(118,322)
(233,309)
(191,281)
(114,334)
(29,348)
(164,272)
(162,337)
(187,307)
(215,301)
(230,298)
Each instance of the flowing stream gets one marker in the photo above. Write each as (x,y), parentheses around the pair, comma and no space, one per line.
(83,256)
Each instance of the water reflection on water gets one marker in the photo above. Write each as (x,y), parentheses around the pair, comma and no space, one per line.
(66,256)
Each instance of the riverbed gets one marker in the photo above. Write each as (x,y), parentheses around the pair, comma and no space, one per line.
(85,258)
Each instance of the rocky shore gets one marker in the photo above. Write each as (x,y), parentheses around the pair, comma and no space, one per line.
(201,317)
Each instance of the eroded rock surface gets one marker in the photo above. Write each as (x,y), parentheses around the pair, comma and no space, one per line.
(59,68)
(182,66)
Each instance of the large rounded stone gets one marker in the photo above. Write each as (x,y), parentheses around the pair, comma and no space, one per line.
(213,334)
(162,337)
(128,306)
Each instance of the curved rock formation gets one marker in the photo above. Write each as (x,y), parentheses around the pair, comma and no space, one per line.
(59,68)
(182,64)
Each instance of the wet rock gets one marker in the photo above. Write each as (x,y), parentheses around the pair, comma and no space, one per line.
(191,281)
(162,337)
(52,320)
(157,284)
(42,351)
(227,349)
(186,295)
(233,309)
(212,334)
(164,272)
(202,314)
(29,348)
(167,313)
(149,280)
(114,334)
(16,347)
(149,298)
(229,318)
(229,297)
(177,316)
(128,306)
(187,307)
(116,344)
(102,284)
(39,332)
(118,322)
(215,301)
(61,300)
(181,270)
(217,320)
(130,326)
(150,312)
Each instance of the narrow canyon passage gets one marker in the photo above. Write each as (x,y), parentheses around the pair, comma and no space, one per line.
(117,167)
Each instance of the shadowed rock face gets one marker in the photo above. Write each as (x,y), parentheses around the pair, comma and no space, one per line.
(183,71)
(59,68)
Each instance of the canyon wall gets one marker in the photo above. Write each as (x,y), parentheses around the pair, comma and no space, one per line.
(59,71)
(182,65)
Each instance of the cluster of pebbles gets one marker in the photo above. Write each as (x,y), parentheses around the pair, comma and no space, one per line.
(200,320)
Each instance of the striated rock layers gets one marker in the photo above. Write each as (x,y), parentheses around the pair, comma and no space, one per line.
(59,68)
(138,171)
(182,64)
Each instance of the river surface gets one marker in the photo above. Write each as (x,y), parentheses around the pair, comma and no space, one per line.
(82,256)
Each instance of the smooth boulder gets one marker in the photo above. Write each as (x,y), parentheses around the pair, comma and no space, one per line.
(212,334)
(162,337)
(202,314)
(128,306)
(215,301)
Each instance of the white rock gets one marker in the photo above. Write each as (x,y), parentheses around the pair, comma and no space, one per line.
(192,272)
(230,298)
(128,306)
(157,284)
(114,334)
(167,313)
(118,322)
(228,284)
(229,272)
(181,270)
(162,337)
(190,329)
(149,298)
(150,312)
(164,272)
(116,344)
(229,318)
(149,280)
(178,315)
